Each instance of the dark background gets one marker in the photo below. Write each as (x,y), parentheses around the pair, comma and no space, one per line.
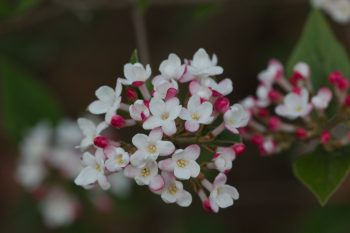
(73,47)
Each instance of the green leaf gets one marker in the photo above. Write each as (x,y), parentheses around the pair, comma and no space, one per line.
(323,172)
(320,49)
(24,101)
(143,5)
(134,58)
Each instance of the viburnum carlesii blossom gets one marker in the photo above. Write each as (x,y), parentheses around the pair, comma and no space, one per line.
(271,74)
(202,66)
(90,132)
(222,195)
(163,115)
(173,191)
(196,113)
(108,101)
(223,158)
(136,74)
(117,159)
(139,111)
(150,147)
(171,69)
(182,110)
(93,171)
(295,105)
(322,99)
(236,117)
(183,163)
(300,113)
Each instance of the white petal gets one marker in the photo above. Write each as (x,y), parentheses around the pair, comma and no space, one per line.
(169,128)
(191,125)
(220,179)
(166,165)
(130,171)
(156,135)
(88,159)
(195,168)
(105,94)
(165,147)
(87,176)
(103,182)
(182,173)
(184,199)
(157,106)
(194,102)
(140,141)
(98,107)
(192,152)
(138,159)
(87,127)
(152,123)
(156,183)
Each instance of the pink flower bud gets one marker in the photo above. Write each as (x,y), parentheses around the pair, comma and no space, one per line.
(101,141)
(274,123)
(222,104)
(239,148)
(337,79)
(325,137)
(206,206)
(257,139)
(137,83)
(274,95)
(347,101)
(172,92)
(263,112)
(131,94)
(296,90)
(118,121)
(301,133)
(296,77)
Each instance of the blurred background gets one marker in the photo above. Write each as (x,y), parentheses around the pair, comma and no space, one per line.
(55,53)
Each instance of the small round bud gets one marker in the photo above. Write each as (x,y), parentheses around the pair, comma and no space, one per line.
(239,148)
(301,133)
(101,141)
(118,121)
(222,104)
(325,137)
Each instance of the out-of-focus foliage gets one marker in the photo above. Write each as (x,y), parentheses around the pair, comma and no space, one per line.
(24,100)
(9,8)
(322,172)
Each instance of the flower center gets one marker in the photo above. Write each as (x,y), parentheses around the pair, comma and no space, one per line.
(119,159)
(172,189)
(98,167)
(182,163)
(164,116)
(145,172)
(232,121)
(298,109)
(195,116)
(152,149)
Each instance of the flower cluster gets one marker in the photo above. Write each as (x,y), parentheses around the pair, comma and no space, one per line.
(185,111)
(339,10)
(48,164)
(285,110)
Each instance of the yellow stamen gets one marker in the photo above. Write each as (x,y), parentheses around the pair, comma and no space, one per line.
(145,172)
(172,189)
(119,159)
(195,116)
(164,116)
(152,149)
(182,163)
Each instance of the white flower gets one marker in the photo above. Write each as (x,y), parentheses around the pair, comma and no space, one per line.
(118,158)
(93,171)
(150,147)
(139,111)
(224,87)
(202,66)
(172,68)
(236,117)
(249,102)
(322,99)
(222,195)
(303,69)
(58,208)
(173,191)
(163,115)
(68,133)
(223,158)
(108,101)
(90,131)
(201,90)
(271,74)
(164,89)
(196,113)
(262,93)
(136,74)
(183,163)
(30,174)
(66,160)
(295,105)
(146,175)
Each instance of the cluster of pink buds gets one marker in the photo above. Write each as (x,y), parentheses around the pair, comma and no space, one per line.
(180,116)
(288,109)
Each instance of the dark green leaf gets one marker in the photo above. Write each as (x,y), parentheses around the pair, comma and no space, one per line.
(24,100)
(323,172)
(143,4)
(320,49)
